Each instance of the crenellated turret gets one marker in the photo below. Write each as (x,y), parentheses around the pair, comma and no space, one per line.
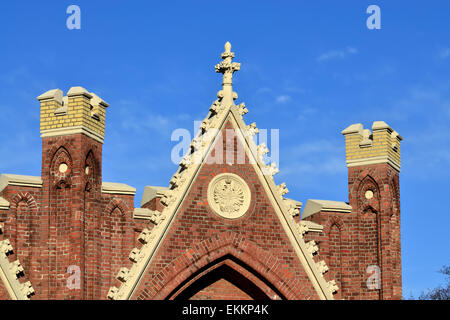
(79,111)
(363,147)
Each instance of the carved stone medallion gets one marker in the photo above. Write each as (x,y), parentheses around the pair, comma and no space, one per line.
(229,196)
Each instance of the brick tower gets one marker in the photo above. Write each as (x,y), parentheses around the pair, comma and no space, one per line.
(72,131)
(373,161)
(360,240)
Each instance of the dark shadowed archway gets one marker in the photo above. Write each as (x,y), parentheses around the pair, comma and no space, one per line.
(227,278)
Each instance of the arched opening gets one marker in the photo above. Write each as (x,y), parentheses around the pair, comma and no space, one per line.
(227,278)
(225,283)
(110,247)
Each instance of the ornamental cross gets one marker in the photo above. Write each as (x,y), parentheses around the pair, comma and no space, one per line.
(227,68)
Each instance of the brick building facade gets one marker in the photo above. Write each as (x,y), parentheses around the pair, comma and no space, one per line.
(222,229)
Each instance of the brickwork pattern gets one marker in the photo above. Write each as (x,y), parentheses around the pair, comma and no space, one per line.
(192,240)
(4,295)
(382,143)
(369,235)
(69,222)
(221,288)
(80,112)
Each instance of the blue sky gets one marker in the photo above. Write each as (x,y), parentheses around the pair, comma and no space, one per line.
(309,69)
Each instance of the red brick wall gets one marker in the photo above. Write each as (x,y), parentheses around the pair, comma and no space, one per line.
(198,237)
(335,253)
(68,195)
(22,229)
(369,235)
(227,279)
(221,290)
(69,222)
(116,239)
(4,295)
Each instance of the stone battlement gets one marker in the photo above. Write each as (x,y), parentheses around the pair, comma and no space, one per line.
(79,111)
(363,147)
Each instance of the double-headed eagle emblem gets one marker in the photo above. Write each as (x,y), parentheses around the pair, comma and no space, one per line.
(228,195)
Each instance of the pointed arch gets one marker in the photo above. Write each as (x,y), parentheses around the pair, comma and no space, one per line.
(23,196)
(91,168)
(91,194)
(21,230)
(116,203)
(225,278)
(23,208)
(337,234)
(60,178)
(59,206)
(113,243)
(365,200)
(225,246)
(369,225)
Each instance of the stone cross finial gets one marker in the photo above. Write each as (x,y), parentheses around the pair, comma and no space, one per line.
(227,68)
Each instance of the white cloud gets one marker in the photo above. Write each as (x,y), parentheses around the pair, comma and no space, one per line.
(283,98)
(263,90)
(337,54)
(314,158)
(444,54)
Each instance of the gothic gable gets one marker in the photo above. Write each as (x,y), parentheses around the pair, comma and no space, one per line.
(223,196)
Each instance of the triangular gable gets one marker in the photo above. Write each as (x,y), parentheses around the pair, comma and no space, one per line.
(222,112)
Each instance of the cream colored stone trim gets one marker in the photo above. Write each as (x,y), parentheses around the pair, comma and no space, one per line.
(117,188)
(322,266)
(218,193)
(312,226)
(151,192)
(78,108)
(71,130)
(61,111)
(79,91)
(363,147)
(19,180)
(4,204)
(96,101)
(294,206)
(373,160)
(221,111)
(10,273)
(381,125)
(314,206)
(152,239)
(352,129)
(142,213)
(154,216)
(55,94)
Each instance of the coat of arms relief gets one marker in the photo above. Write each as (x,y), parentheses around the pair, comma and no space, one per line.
(229,195)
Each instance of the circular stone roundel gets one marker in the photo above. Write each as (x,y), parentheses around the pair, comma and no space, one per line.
(229,196)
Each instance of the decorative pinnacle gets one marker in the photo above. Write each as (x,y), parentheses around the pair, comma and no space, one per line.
(227,68)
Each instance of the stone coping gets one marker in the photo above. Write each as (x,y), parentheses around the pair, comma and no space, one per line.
(4,204)
(19,180)
(117,188)
(312,226)
(313,206)
(151,192)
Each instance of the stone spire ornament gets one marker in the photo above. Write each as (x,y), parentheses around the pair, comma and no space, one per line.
(227,68)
